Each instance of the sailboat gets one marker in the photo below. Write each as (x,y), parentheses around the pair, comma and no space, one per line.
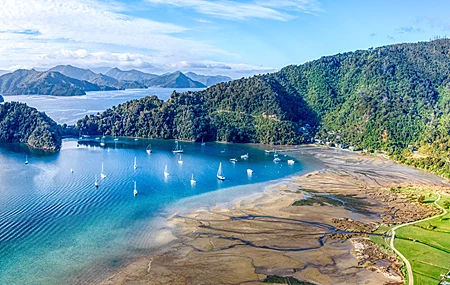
(165,171)
(192,179)
(135,164)
(275,154)
(244,156)
(180,161)
(203,142)
(135,190)
(26,159)
(115,137)
(149,149)
(79,135)
(102,174)
(249,171)
(96,183)
(71,170)
(177,149)
(219,173)
(291,161)
(102,142)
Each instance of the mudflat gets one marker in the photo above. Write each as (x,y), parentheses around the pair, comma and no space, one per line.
(311,228)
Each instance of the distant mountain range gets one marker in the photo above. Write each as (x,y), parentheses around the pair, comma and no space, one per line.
(67,80)
(26,82)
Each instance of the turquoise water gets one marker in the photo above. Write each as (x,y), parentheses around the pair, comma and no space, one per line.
(57,228)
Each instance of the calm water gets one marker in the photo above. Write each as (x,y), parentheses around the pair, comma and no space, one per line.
(70,109)
(57,228)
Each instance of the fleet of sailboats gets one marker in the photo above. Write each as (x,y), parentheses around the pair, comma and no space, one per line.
(178,151)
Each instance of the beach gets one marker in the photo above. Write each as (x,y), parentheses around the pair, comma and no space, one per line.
(312,227)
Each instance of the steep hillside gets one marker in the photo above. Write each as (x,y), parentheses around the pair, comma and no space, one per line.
(22,124)
(394,99)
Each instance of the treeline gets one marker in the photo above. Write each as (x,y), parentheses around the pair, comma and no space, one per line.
(393,99)
(22,124)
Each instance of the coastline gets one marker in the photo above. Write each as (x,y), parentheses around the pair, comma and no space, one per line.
(263,234)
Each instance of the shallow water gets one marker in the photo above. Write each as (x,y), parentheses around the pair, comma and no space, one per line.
(57,228)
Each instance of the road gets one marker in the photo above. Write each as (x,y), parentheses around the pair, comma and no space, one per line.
(391,244)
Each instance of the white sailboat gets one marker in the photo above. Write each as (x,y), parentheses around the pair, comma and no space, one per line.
(220,173)
(165,171)
(102,142)
(291,161)
(26,159)
(149,149)
(192,179)
(177,149)
(244,156)
(203,143)
(135,164)
(115,137)
(275,154)
(180,161)
(102,174)
(71,170)
(135,190)
(96,183)
(249,171)
(233,160)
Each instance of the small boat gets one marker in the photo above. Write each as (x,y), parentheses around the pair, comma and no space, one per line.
(177,148)
(149,149)
(244,156)
(102,142)
(233,160)
(203,143)
(165,171)
(96,183)
(275,154)
(269,151)
(135,139)
(180,161)
(135,164)
(276,159)
(291,161)
(26,159)
(135,190)
(249,171)
(97,138)
(222,151)
(115,137)
(192,180)
(71,170)
(102,174)
(80,136)
(219,173)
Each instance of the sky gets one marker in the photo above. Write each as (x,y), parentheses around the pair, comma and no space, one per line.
(226,37)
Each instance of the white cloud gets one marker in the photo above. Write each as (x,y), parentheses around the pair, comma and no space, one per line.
(280,10)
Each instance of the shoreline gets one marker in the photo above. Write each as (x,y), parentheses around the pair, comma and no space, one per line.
(225,237)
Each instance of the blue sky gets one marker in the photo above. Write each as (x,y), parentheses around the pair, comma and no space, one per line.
(229,37)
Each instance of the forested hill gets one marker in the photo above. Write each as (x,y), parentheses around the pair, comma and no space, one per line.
(393,98)
(22,124)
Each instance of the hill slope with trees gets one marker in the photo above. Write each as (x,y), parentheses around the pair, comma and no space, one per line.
(394,99)
(22,124)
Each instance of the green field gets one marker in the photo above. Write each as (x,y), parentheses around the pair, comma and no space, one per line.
(426,245)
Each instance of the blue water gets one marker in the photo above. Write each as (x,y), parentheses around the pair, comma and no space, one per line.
(57,228)
(70,109)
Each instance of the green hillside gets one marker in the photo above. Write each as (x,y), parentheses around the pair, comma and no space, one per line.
(393,99)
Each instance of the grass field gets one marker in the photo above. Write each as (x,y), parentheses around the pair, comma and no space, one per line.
(426,245)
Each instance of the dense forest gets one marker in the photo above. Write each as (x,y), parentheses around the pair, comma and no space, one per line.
(393,99)
(22,124)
